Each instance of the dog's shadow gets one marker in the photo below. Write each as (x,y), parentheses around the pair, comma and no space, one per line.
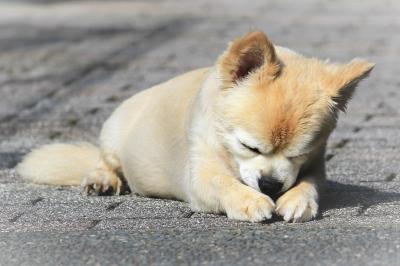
(338,195)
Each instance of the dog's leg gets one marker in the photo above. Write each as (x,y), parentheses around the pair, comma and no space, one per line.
(103,180)
(300,203)
(213,189)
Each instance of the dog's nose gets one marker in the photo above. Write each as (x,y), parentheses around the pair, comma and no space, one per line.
(269,186)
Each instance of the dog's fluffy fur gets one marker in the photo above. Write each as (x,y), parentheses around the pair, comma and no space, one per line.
(209,136)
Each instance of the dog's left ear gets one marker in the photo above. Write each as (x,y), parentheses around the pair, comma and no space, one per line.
(343,80)
(246,55)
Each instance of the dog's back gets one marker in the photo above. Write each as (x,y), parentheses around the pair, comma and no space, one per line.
(145,138)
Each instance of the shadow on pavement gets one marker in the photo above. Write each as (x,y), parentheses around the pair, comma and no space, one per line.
(339,195)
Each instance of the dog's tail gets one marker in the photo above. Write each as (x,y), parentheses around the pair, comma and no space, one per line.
(59,164)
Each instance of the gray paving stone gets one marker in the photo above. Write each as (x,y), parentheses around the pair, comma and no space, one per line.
(40,226)
(270,245)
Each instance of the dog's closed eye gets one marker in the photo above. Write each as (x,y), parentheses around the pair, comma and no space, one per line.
(298,157)
(252,149)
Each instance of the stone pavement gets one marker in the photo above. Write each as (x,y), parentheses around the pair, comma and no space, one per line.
(65,65)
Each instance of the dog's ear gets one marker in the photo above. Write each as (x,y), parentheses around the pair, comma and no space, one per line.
(245,55)
(343,79)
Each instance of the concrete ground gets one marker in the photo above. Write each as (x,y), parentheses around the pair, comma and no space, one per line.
(65,65)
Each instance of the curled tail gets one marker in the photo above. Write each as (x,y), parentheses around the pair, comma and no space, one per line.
(59,164)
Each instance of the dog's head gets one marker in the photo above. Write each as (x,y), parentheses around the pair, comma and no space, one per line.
(277,108)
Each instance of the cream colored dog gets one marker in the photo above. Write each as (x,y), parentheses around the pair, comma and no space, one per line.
(218,137)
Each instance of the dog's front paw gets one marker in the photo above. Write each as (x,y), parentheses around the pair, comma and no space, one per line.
(298,205)
(249,205)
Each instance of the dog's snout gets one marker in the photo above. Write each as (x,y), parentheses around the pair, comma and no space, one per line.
(270,186)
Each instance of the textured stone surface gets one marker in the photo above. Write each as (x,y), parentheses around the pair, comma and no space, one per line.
(65,65)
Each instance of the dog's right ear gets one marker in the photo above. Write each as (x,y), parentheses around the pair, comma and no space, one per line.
(246,55)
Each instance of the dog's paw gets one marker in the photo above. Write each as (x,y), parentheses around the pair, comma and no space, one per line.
(297,205)
(101,182)
(249,205)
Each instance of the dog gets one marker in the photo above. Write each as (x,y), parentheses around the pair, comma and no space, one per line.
(245,137)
